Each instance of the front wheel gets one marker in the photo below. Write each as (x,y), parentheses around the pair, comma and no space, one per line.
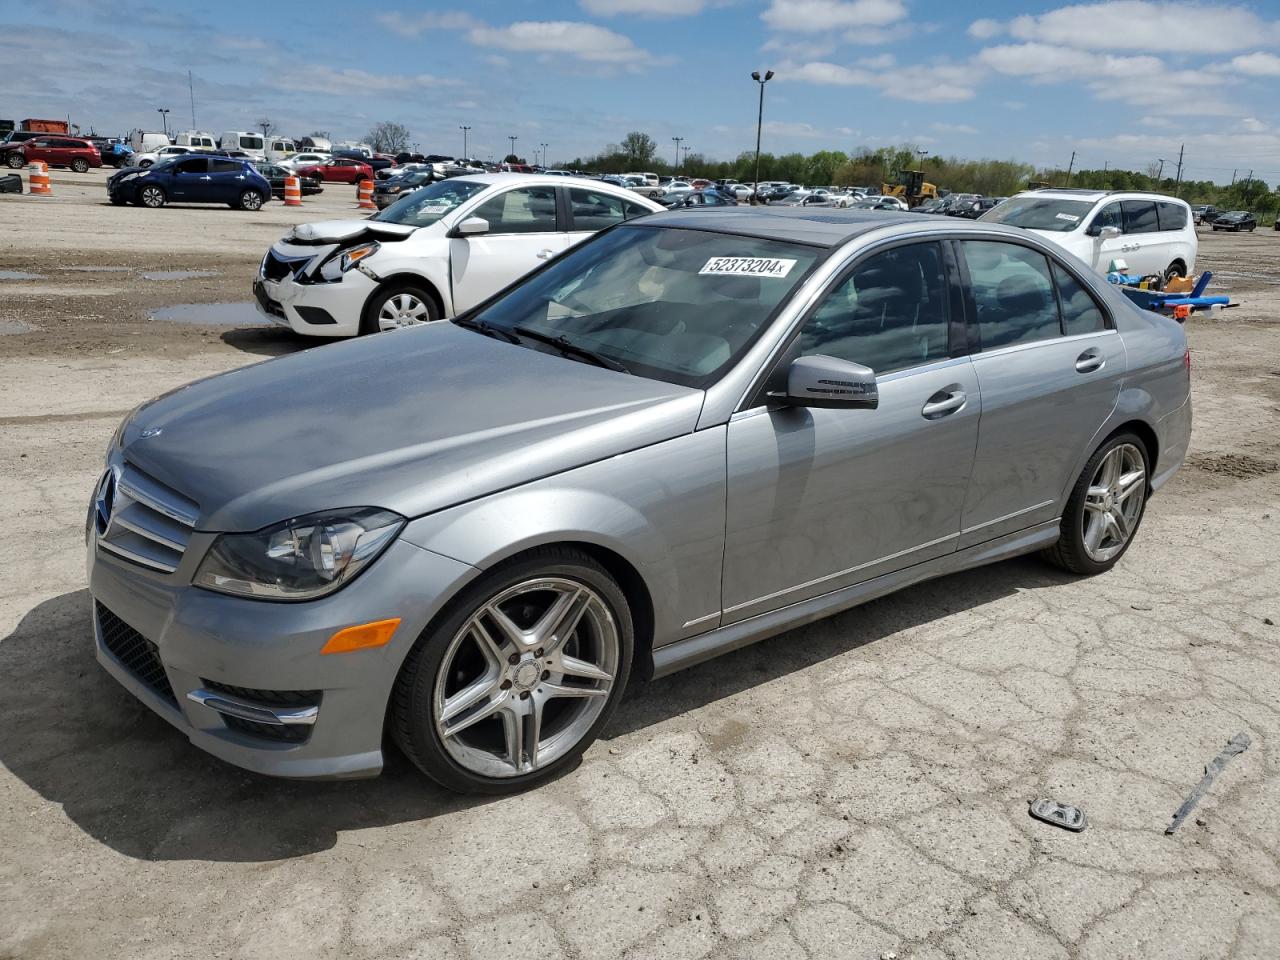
(152,196)
(512,683)
(15,160)
(401,305)
(1105,508)
(250,200)
(145,164)
(80,165)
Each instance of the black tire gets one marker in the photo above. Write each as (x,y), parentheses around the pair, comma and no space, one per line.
(1176,269)
(145,163)
(410,713)
(251,200)
(80,165)
(15,160)
(369,322)
(153,196)
(1069,552)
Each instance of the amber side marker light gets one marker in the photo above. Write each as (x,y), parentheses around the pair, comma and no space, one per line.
(363,637)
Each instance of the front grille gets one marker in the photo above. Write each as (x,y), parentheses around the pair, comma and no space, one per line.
(279,733)
(276,267)
(136,652)
(142,520)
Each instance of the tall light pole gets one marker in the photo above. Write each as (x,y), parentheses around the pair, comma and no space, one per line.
(755,75)
(164,118)
(544,153)
(513,145)
(464,141)
(677,143)
(1160,172)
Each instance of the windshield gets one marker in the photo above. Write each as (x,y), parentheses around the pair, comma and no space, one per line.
(673,304)
(426,206)
(1040,213)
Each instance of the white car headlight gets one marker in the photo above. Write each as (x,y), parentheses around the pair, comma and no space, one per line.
(299,559)
(340,263)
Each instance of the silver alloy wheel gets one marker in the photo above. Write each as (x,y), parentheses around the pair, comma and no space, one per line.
(251,200)
(526,677)
(402,310)
(1113,502)
(152,197)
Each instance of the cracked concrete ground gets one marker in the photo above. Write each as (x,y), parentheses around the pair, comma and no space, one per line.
(852,789)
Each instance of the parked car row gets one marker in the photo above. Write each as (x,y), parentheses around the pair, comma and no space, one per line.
(191,178)
(77,153)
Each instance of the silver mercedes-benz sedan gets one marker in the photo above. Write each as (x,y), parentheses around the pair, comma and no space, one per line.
(691,432)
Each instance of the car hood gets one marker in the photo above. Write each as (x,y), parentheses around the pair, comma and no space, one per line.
(336,231)
(411,421)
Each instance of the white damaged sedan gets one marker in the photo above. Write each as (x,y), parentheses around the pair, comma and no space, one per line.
(432,254)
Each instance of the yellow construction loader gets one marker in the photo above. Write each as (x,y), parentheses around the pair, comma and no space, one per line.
(911,187)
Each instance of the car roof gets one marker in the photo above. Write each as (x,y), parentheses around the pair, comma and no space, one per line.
(543,180)
(819,226)
(1073,193)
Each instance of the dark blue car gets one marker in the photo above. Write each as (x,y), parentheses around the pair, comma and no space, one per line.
(192,178)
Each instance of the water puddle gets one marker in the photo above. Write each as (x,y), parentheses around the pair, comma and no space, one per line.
(179,274)
(14,326)
(96,269)
(19,275)
(212,314)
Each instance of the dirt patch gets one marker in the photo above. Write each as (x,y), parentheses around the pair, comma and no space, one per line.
(1240,466)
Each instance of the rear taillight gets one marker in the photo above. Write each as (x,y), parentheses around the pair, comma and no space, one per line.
(1186,360)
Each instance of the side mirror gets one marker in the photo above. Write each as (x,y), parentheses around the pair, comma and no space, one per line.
(472,226)
(821,381)
(1108,233)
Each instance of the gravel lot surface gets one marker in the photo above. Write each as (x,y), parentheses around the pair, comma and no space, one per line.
(852,789)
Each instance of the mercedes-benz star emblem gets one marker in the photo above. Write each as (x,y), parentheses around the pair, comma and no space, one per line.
(104,501)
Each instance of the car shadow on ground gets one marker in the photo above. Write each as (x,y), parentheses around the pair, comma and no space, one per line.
(269,341)
(133,782)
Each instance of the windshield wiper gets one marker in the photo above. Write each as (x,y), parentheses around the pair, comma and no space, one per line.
(488,329)
(569,348)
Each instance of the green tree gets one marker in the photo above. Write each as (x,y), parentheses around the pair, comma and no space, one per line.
(639,148)
(387,136)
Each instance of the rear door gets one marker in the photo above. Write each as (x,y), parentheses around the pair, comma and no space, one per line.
(1144,249)
(1049,364)
(525,230)
(227,180)
(592,210)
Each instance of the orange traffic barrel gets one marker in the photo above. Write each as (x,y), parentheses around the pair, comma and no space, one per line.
(38,174)
(364,193)
(292,192)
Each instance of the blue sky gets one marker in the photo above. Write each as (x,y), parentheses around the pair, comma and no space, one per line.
(1122,82)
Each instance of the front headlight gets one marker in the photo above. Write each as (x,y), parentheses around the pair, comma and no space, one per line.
(340,263)
(299,559)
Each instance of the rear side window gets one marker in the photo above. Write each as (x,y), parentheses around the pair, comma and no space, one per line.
(224,166)
(1080,312)
(595,211)
(1172,216)
(1139,216)
(889,314)
(1013,292)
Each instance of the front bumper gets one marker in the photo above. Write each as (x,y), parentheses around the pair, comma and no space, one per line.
(165,640)
(343,300)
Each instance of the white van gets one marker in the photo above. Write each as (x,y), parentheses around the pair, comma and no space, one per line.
(251,143)
(357,146)
(280,148)
(1151,233)
(196,140)
(315,145)
(143,142)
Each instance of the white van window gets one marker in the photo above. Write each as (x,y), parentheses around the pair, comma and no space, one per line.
(250,143)
(1172,216)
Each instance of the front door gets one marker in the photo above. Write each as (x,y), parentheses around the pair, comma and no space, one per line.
(1107,249)
(1050,369)
(189,180)
(41,148)
(524,232)
(822,498)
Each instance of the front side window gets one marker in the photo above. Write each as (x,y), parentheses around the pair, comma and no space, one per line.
(523,210)
(426,206)
(1139,216)
(1108,216)
(1012,292)
(593,210)
(669,303)
(889,314)
(190,165)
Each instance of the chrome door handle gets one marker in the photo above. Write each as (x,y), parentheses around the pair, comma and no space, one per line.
(206,178)
(544,254)
(943,403)
(240,176)
(1090,361)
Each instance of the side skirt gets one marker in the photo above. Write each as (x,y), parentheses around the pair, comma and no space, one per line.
(694,650)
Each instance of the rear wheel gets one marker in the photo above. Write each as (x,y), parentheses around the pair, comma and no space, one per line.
(399,305)
(510,685)
(1105,508)
(80,165)
(15,160)
(152,196)
(250,200)
(1176,269)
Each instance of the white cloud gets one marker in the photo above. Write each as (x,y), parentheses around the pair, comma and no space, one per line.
(1253,125)
(800,49)
(985,29)
(874,36)
(820,16)
(646,8)
(356,83)
(585,41)
(953,128)
(826,74)
(413,24)
(1149,25)
(1257,64)
(936,83)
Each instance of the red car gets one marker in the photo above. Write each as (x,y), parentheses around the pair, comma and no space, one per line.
(55,150)
(338,170)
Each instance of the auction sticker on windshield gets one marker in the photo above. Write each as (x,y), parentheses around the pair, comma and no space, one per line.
(746,267)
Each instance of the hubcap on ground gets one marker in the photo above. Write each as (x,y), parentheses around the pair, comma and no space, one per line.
(526,677)
(1113,502)
(402,310)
